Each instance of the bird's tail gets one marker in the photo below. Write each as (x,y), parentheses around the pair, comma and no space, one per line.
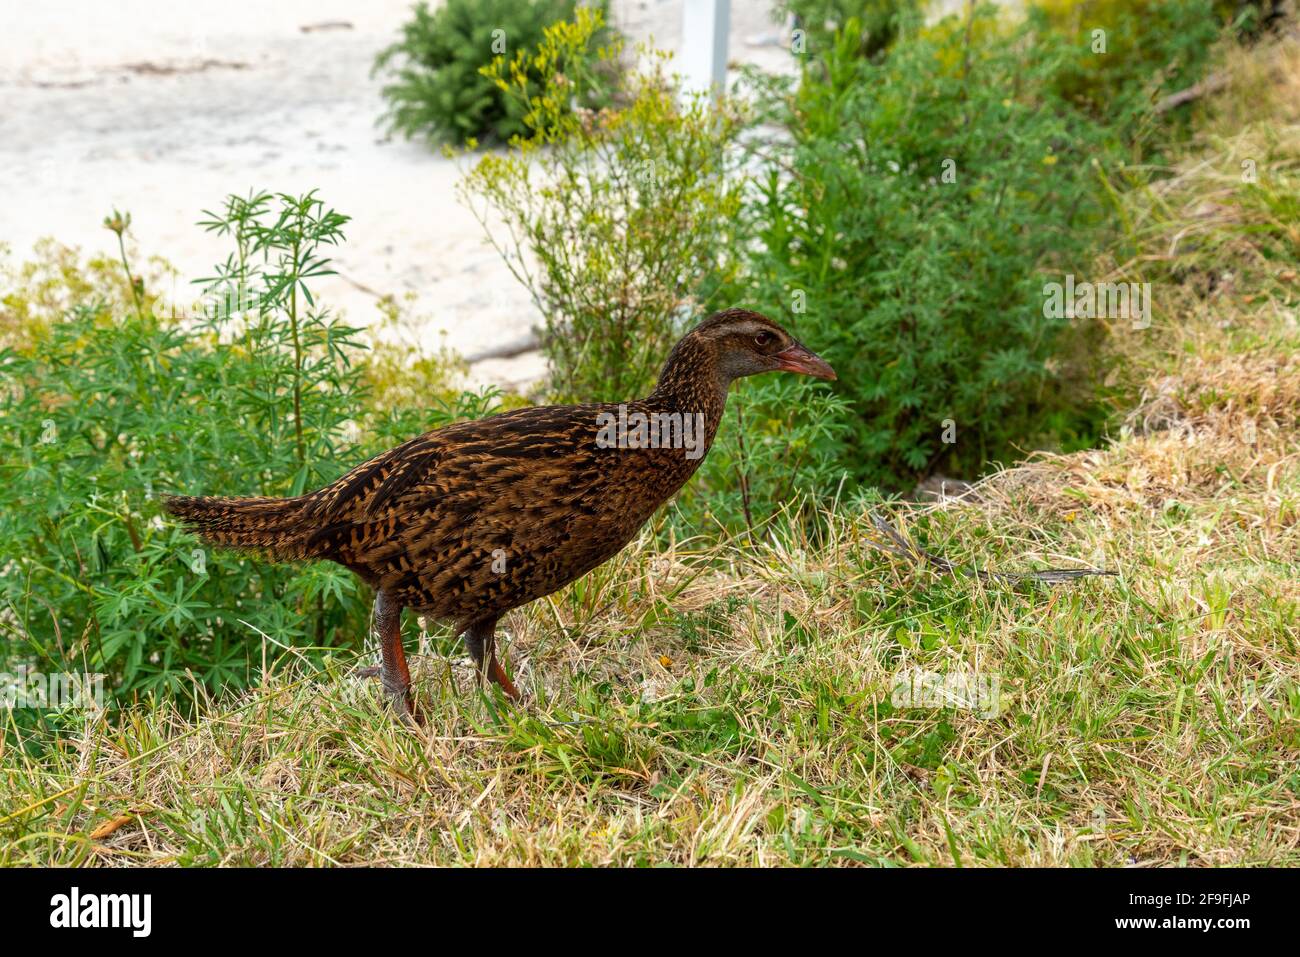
(272,525)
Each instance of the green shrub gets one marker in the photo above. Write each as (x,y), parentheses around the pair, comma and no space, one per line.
(37,293)
(617,221)
(928,190)
(438,89)
(1122,55)
(877,23)
(908,231)
(116,403)
(779,447)
(1249,19)
(905,229)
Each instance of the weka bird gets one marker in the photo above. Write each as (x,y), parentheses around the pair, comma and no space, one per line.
(469,521)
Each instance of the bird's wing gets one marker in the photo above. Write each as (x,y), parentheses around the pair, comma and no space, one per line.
(485,473)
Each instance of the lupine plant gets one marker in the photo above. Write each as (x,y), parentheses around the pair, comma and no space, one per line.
(262,393)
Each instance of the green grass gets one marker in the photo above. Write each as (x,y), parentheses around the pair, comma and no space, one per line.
(730,703)
(734,707)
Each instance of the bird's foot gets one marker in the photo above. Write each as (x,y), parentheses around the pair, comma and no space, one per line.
(399,699)
(501,678)
(403,704)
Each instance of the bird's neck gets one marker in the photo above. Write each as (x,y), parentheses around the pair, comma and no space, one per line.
(691,382)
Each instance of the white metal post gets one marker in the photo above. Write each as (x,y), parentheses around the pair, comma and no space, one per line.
(705,24)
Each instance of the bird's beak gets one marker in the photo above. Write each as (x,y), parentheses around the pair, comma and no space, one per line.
(799,359)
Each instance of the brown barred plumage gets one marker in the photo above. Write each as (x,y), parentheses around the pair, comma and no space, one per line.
(472,520)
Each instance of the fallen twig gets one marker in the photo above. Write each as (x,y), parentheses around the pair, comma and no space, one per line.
(1211,84)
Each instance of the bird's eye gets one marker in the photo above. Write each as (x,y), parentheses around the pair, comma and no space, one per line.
(764,339)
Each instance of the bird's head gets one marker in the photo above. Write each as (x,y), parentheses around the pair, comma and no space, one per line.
(744,343)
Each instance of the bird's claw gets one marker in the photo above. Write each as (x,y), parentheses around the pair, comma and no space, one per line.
(403,703)
(399,699)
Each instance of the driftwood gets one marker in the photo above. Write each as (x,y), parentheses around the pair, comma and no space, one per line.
(325,25)
(516,347)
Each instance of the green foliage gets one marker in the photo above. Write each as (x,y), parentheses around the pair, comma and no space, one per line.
(907,232)
(617,221)
(930,185)
(111,405)
(1121,55)
(876,23)
(1249,19)
(779,445)
(438,88)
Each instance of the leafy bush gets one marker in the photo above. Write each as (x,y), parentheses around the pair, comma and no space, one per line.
(778,448)
(1249,19)
(908,231)
(1121,55)
(618,220)
(876,22)
(905,229)
(439,90)
(116,402)
(40,291)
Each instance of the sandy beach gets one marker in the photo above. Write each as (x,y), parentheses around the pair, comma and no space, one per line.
(162,109)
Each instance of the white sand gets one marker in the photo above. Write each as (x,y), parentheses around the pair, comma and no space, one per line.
(163,108)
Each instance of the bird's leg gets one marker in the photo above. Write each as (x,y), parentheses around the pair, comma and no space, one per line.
(480,639)
(393,673)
